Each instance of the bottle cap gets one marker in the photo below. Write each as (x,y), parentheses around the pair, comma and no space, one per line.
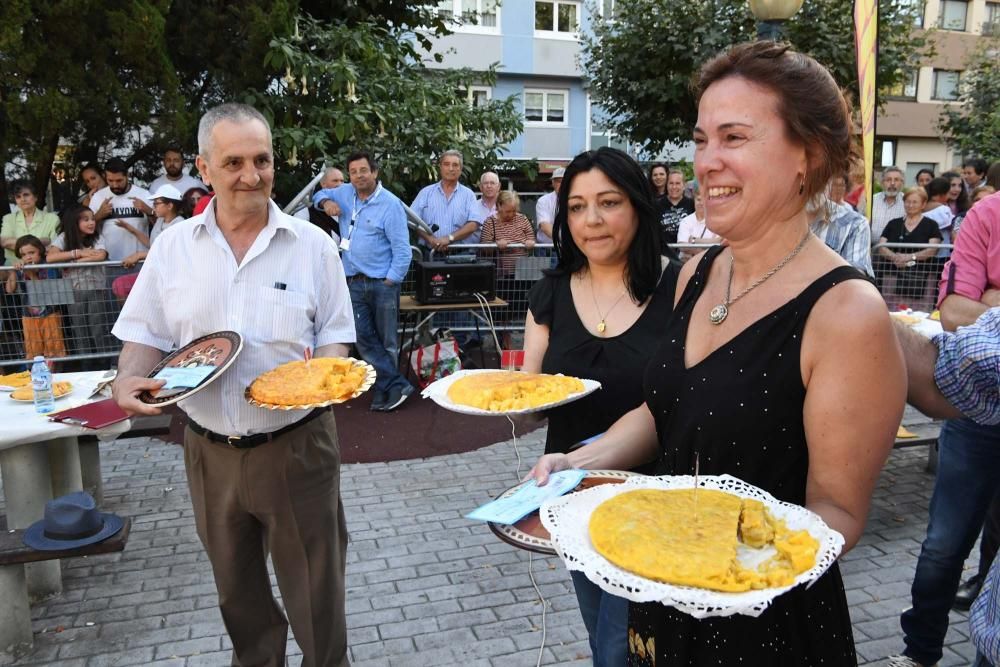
(39,358)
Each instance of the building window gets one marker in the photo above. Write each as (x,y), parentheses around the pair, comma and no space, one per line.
(608,9)
(991,25)
(472,13)
(885,152)
(920,7)
(945,85)
(475,96)
(906,88)
(557,16)
(953,14)
(601,136)
(545,107)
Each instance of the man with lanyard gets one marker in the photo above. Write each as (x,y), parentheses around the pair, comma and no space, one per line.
(376,254)
(262,482)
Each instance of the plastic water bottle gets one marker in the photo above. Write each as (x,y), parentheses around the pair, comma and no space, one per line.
(41,383)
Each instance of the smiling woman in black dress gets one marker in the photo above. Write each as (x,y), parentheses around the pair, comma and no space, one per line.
(779,365)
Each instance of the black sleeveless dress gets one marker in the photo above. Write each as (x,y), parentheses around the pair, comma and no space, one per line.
(740,409)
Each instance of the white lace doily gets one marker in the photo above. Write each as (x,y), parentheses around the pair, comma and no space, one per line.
(437,391)
(568,519)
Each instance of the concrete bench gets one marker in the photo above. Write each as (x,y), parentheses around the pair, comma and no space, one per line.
(15,612)
(927,434)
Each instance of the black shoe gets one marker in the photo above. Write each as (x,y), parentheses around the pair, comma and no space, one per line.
(379,402)
(397,397)
(967,593)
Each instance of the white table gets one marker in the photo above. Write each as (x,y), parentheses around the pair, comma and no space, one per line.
(40,460)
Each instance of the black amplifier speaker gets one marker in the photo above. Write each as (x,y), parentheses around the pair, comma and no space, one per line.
(447,282)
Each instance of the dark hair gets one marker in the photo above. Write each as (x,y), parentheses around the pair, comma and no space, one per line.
(815,112)
(173,148)
(116,165)
(21,186)
(361,155)
(962,202)
(993,175)
(33,241)
(666,170)
(69,225)
(925,170)
(643,268)
(978,164)
(938,186)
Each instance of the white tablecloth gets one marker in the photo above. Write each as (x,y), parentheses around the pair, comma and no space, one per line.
(21,424)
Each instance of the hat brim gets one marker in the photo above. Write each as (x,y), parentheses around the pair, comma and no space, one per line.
(34,535)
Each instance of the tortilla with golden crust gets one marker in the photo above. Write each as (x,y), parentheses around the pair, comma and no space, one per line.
(28,393)
(298,383)
(504,391)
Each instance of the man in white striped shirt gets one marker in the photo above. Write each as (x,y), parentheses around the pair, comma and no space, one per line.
(261,481)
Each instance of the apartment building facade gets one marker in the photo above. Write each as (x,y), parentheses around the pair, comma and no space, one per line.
(906,129)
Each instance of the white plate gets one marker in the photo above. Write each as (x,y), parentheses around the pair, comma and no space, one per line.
(568,521)
(32,400)
(438,392)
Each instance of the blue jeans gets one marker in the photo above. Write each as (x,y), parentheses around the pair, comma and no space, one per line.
(968,469)
(606,618)
(376,318)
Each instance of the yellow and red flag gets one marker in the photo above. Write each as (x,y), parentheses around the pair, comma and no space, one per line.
(865,33)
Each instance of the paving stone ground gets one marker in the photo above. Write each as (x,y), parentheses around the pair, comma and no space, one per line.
(425,586)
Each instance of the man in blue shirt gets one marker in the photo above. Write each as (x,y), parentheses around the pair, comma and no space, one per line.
(375,249)
(449,205)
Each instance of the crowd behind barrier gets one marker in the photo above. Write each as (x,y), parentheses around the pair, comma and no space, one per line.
(77,325)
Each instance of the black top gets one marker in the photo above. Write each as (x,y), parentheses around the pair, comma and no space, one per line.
(895,231)
(741,409)
(672,214)
(617,362)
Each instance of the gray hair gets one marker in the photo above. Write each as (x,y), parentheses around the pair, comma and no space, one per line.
(489,173)
(232,112)
(453,153)
(892,168)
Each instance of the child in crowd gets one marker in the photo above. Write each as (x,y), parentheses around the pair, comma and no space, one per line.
(79,241)
(167,204)
(42,324)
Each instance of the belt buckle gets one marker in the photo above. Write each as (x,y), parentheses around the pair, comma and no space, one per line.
(234,441)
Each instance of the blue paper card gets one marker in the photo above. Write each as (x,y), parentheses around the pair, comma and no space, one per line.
(528,498)
(184,377)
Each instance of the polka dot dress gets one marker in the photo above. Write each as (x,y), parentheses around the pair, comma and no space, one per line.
(740,409)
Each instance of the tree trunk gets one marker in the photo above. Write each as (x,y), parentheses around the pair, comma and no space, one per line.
(43,167)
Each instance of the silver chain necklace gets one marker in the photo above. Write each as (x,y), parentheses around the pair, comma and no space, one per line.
(719,314)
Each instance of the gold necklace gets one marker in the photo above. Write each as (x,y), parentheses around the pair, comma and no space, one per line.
(719,314)
(603,325)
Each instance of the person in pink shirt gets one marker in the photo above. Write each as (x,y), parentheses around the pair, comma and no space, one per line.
(968,455)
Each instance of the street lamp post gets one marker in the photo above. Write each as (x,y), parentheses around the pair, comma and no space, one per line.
(771,14)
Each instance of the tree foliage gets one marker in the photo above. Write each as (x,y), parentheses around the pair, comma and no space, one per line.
(639,67)
(337,86)
(973,125)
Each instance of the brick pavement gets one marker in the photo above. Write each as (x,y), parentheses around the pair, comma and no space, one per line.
(425,586)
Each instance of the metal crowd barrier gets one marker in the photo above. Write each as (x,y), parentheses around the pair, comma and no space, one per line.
(905,282)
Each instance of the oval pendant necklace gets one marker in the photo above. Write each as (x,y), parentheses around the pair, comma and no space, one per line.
(602,325)
(720,312)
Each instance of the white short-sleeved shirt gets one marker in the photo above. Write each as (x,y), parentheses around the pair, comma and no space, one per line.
(191,286)
(545,211)
(184,183)
(120,242)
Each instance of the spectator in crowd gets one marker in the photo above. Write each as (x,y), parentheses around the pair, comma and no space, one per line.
(958,197)
(731,378)
(939,208)
(837,189)
(841,228)
(658,180)
(980,193)
(79,240)
(167,206)
(263,482)
(92,180)
(508,225)
(190,200)
(909,265)
(597,315)
(693,228)
(856,195)
(332,178)
(993,176)
(489,188)
(174,173)
(674,207)
(42,325)
(61,189)
(974,173)
(450,206)
(924,176)
(122,208)
(27,219)
(888,204)
(968,453)
(545,207)
(376,256)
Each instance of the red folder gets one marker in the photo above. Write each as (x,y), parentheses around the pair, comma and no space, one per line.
(92,415)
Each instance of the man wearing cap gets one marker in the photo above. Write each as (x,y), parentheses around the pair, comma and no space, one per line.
(262,482)
(545,208)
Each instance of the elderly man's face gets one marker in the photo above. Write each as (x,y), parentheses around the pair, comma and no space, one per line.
(489,185)
(892,183)
(240,166)
(332,179)
(451,168)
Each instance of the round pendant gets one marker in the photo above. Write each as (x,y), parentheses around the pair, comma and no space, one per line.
(601,326)
(718,314)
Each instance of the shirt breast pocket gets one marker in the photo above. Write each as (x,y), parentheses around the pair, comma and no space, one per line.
(283,316)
